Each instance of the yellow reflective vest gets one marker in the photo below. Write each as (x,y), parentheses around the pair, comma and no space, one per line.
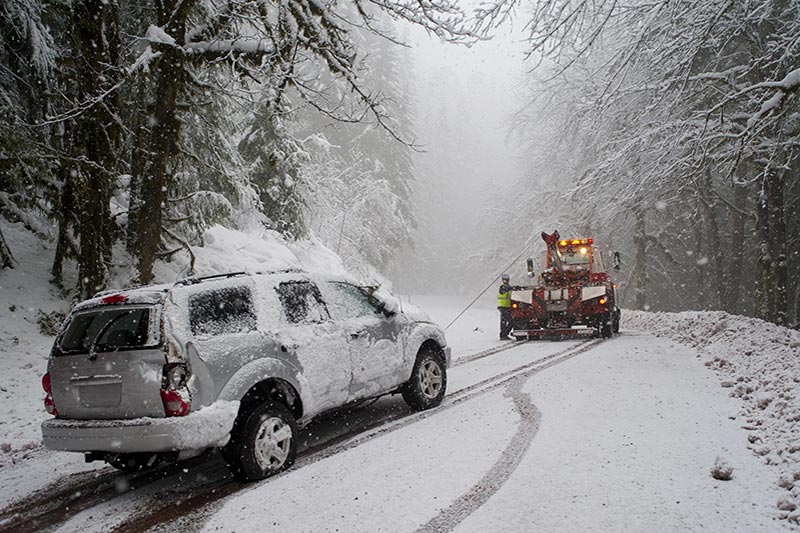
(504,298)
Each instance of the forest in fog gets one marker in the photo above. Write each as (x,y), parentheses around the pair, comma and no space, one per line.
(666,130)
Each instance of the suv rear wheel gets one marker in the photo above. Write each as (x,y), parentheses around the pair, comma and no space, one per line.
(264,444)
(428,382)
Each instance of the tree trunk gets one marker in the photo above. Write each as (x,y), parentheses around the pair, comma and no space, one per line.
(701,288)
(163,142)
(97,27)
(6,259)
(732,287)
(639,273)
(771,300)
(712,260)
(66,219)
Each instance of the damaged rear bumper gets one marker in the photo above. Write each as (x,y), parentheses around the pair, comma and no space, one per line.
(206,428)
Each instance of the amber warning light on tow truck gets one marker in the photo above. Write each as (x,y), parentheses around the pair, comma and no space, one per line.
(571,242)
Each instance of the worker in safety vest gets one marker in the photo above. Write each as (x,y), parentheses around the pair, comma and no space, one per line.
(504,306)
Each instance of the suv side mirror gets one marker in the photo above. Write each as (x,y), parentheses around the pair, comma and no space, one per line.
(380,305)
(617,261)
(383,309)
(530,267)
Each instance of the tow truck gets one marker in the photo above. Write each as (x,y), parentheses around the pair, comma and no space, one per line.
(574,295)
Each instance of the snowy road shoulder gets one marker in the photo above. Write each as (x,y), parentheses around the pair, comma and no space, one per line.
(629,433)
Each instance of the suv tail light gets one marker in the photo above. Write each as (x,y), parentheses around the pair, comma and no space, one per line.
(49,404)
(174,391)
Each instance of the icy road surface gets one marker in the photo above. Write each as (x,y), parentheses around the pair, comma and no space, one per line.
(616,435)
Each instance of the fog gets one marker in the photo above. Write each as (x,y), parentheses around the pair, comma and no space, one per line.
(465,99)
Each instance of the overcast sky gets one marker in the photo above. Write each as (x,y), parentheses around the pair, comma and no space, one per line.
(480,85)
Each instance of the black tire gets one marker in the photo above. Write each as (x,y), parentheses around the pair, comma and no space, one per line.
(606,330)
(131,463)
(263,442)
(428,383)
(617,317)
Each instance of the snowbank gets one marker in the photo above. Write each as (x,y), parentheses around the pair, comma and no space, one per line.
(760,363)
(228,250)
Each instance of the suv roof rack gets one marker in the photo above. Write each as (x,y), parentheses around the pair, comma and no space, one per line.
(106,292)
(196,280)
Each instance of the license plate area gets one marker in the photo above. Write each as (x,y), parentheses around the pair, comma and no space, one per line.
(98,391)
(560,305)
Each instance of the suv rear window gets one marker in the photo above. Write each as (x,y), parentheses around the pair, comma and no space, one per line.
(108,330)
(226,310)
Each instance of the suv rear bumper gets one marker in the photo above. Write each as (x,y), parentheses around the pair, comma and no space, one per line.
(207,428)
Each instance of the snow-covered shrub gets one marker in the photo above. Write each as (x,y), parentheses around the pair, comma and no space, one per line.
(49,323)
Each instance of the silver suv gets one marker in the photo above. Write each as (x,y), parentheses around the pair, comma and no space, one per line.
(237,361)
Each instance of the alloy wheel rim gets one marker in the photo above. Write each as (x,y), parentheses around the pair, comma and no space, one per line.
(272,444)
(430,379)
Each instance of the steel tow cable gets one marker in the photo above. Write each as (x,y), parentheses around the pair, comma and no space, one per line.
(524,249)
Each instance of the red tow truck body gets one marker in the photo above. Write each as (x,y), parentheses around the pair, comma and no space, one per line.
(574,296)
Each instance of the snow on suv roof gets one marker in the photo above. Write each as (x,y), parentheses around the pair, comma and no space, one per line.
(152,294)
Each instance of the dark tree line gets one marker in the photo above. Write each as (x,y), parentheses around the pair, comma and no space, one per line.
(132,127)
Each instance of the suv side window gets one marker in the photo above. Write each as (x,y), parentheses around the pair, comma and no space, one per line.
(302,302)
(226,310)
(347,301)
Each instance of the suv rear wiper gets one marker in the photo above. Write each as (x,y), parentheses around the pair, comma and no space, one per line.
(93,346)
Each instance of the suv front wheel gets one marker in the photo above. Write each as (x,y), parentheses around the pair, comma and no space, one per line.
(428,382)
(264,444)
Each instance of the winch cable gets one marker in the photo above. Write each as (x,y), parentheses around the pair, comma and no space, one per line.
(525,249)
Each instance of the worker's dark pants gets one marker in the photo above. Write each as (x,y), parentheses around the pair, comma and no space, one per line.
(505,321)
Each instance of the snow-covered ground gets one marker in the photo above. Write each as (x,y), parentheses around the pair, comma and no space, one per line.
(758,364)
(616,435)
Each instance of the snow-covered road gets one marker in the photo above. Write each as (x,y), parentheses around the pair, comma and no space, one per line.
(620,437)
(616,435)
(540,436)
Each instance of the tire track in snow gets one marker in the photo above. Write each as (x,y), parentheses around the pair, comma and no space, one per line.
(506,464)
(484,353)
(204,505)
(509,459)
(44,510)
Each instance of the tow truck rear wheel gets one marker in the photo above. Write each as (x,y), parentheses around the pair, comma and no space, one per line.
(606,330)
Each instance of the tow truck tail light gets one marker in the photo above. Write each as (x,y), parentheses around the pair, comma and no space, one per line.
(49,404)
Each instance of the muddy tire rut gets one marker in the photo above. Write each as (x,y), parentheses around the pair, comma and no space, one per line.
(185,493)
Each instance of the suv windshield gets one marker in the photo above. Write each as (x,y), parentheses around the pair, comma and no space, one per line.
(107,330)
